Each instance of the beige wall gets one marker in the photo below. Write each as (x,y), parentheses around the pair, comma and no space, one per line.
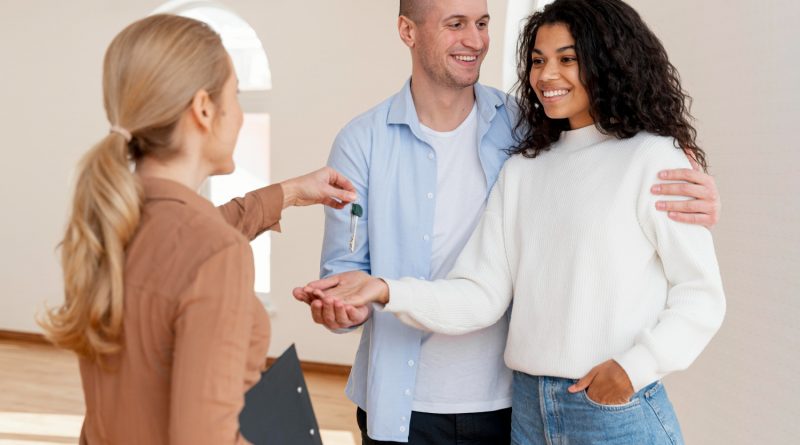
(739,59)
(330,61)
(333,60)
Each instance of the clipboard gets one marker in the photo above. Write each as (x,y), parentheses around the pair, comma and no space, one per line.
(277,410)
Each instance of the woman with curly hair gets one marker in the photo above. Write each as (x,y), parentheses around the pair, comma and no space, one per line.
(609,295)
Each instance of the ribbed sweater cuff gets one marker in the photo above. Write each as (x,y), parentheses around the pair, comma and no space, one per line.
(640,365)
(399,293)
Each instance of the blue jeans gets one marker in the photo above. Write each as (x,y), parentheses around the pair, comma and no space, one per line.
(545,413)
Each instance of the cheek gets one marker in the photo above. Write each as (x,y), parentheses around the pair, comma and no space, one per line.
(574,76)
(582,93)
(533,79)
(239,120)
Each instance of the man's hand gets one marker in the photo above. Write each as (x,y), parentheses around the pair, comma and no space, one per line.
(333,314)
(354,288)
(607,383)
(704,209)
(342,301)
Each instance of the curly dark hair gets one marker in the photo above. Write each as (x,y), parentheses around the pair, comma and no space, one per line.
(631,84)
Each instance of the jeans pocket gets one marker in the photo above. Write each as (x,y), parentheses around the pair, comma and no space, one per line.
(633,403)
(658,402)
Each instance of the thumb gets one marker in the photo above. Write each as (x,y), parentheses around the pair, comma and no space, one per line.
(340,194)
(693,161)
(323,283)
(584,382)
(339,181)
(356,314)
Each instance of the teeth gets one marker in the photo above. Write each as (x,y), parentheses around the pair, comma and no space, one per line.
(554,93)
(467,58)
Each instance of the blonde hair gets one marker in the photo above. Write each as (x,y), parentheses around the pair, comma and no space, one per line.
(151,72)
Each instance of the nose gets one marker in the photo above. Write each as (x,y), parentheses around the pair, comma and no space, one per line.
(473,38)
(550,71)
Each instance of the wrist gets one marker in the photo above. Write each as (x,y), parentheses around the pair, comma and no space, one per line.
(383,298)
(289,193)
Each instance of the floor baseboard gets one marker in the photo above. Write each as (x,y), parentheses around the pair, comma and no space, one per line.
(322,368)
(39,339)
(24,337)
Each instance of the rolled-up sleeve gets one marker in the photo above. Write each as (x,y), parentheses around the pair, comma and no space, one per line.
(256,212)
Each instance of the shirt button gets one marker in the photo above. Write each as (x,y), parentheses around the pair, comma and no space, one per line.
(402,429)
(411,363)
(430,195)
(426,237)
(431,155)
(407,392)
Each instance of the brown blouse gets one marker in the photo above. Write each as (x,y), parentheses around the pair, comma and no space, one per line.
(195,336)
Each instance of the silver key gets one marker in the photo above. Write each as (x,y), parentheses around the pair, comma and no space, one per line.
(355,212)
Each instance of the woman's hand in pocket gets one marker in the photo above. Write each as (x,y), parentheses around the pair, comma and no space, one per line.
(606,384)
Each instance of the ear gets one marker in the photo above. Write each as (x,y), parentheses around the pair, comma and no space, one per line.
(202,110)
(408,30)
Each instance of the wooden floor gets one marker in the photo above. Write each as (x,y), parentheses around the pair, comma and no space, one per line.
(41,402)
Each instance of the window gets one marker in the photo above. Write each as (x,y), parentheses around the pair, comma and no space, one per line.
(252,149)
(516,13)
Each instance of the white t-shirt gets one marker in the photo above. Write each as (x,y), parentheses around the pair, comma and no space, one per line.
(464,373)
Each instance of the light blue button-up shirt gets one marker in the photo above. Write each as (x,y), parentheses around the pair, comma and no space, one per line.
(393,167)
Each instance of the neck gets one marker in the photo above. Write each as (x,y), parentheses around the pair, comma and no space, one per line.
(441,108)
(181,169)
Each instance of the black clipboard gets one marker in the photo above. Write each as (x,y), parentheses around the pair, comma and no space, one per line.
(277,410)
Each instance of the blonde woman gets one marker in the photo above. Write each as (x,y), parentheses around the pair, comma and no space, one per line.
(159,301)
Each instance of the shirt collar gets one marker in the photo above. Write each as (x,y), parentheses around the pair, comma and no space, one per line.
(159,189)
(403,111)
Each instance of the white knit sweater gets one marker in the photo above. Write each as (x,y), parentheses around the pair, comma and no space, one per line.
(596,272)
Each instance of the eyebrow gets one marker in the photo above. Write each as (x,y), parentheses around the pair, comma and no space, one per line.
(462,16)
(560,50)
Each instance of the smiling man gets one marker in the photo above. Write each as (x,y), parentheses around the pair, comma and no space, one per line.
(423,163)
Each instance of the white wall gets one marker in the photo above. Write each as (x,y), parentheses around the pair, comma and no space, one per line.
(330,61)
(739,60)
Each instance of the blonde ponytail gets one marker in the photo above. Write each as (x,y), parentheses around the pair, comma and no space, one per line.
(105,214)
(152,70)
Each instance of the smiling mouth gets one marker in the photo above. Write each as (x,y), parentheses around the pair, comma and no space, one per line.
(554,93)
(466,58)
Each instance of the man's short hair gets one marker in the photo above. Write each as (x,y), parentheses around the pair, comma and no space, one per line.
(414,9)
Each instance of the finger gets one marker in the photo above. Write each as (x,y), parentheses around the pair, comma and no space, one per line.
(328,313)
(701,219)
(692,206)
(340,194)
(584,382)
(684,174)
(324,283)
(341,292)
(301,295)
(342,318)
(682,189)
(333,203)
(692,160)
(316,311)
(356,314)
(338,180)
